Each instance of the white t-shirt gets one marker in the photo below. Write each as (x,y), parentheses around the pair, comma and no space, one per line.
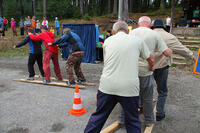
(154,41)
(120,72)
(168,21)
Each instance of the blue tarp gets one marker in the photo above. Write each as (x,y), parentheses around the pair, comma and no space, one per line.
(87,33)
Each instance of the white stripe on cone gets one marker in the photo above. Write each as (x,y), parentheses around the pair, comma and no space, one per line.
(76,95)
(77,106)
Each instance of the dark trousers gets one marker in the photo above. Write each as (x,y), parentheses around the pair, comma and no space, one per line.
(105,105)
(48,55)
(74,60)
(161,76)
(31,61)
(22,31)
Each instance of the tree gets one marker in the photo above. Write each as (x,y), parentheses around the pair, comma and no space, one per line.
(44,8)
(115,7)
(81,7)
(123,10)
(1,7)
(34,8)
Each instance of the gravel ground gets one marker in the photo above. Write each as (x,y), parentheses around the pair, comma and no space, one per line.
(32,108)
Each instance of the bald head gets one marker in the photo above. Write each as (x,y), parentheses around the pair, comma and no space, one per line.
(144,21)
(120,26)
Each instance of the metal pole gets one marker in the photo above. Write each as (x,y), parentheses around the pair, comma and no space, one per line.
(120,12)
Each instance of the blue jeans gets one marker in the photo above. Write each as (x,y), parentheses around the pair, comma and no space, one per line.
(161,76)
(105,105)
(58,30)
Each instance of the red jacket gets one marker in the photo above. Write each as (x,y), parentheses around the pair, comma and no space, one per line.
(46,37)
(5,21)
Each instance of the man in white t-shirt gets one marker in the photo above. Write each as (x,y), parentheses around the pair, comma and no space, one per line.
(119,81)
(168,23)
(153,41)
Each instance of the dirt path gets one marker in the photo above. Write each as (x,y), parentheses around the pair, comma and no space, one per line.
(31,108)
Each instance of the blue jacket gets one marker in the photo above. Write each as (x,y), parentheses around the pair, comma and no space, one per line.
(57,24)
(71,40)
(1,22)
(35,46)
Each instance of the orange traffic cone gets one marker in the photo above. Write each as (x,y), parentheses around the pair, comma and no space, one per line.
(77,108)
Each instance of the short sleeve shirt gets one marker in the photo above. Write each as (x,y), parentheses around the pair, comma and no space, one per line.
(120,72)
(153,41)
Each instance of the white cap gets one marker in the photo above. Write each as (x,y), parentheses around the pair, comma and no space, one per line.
(56,18)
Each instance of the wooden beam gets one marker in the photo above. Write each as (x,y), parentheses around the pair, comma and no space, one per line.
(65,80)
(179,63)
(113,127)
(51,83)
(150,129)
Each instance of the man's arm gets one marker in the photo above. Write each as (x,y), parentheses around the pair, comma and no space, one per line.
(35,37)
(61,40)
(162,46)
(23,42)
(180,49)
(151,61)
(145,54)
(167,52)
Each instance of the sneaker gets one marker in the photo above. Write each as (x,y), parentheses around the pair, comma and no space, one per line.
(159,118)
(46,81)
(29,78)
(58,79)
(70,83)
(81,81)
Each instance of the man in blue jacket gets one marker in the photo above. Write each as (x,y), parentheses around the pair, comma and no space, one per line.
(35,54)
(74,43)
(57,25)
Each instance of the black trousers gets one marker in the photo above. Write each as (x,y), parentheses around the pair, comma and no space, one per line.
(22,31)
(31,61)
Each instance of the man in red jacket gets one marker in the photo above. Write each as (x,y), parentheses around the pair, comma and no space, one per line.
(51,52)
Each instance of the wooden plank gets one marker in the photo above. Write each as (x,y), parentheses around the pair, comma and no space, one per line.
(189,41)
(113,127)
(179,63)
(178,58)
(65,80)
(192,46)
(150,129)
(51,83)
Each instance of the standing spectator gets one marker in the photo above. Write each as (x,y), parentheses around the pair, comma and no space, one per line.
(1,22)
(153,41)
(52,30)
(196,14)
(51,52)
(5,22)
(1,26)
(57,25)
(119,81)
(162,64)
(74,60)
(13,26)
(21,25)
(45,22)
(37,30)
(35,54)
(27,24)
(33,23)
(168,23)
